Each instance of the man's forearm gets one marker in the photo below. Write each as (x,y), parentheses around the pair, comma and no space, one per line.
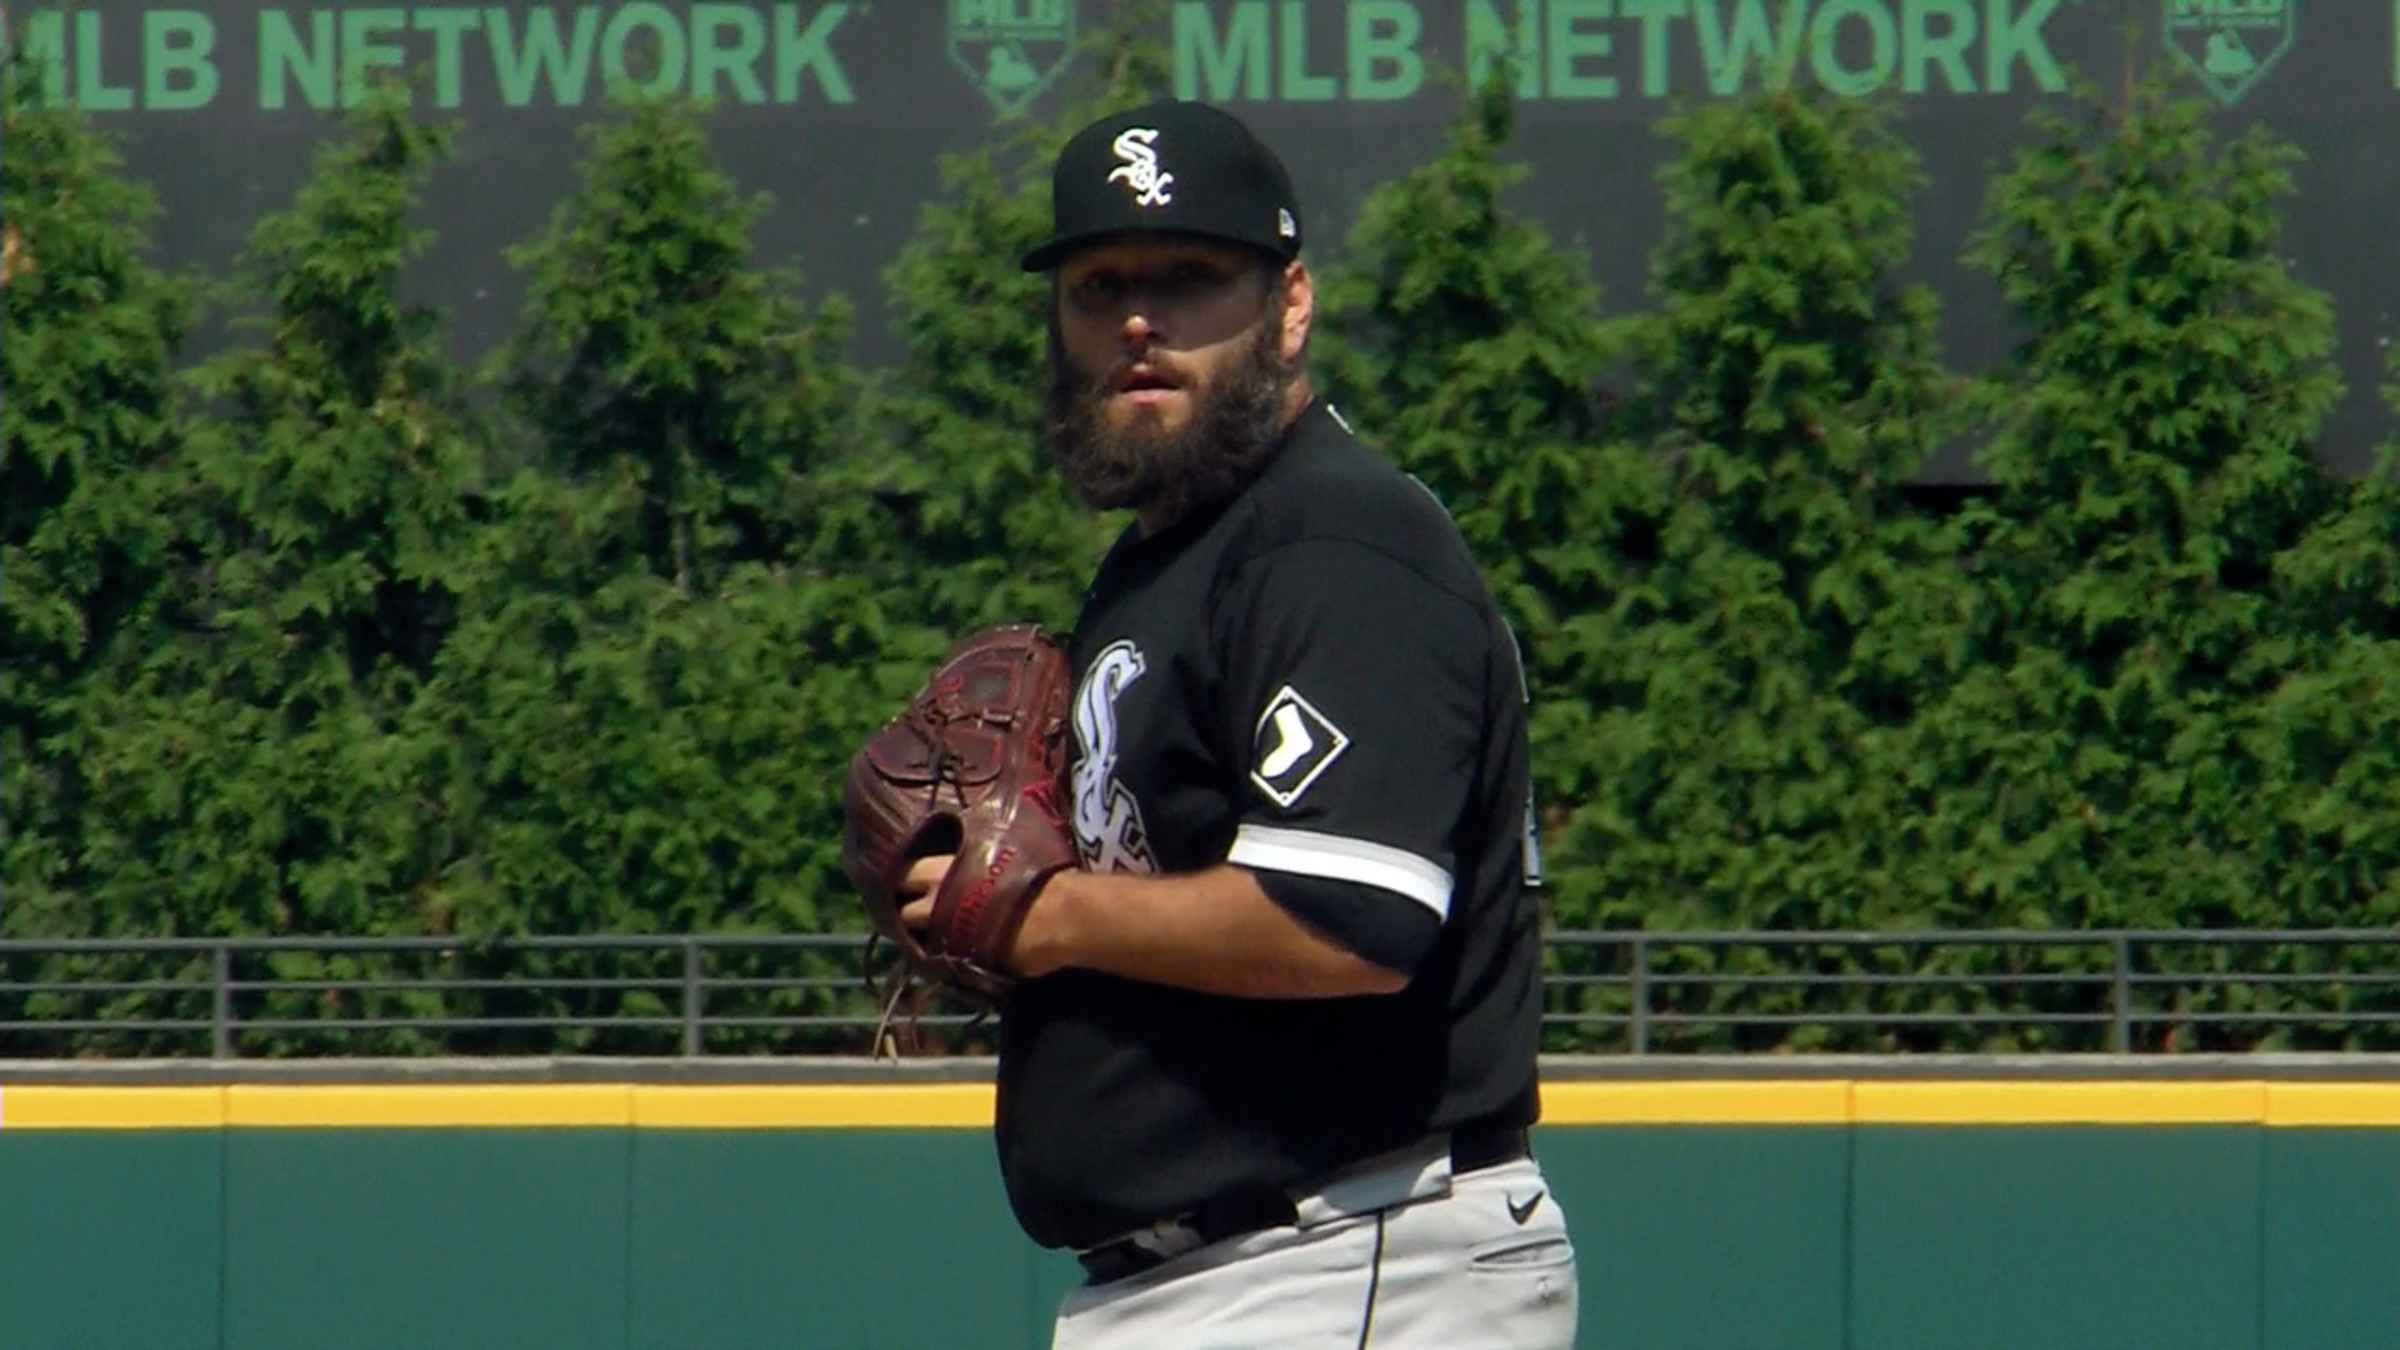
(1214,931)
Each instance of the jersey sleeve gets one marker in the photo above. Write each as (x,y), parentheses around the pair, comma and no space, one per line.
(1353,707)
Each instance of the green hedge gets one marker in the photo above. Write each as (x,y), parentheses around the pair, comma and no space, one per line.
(325,634)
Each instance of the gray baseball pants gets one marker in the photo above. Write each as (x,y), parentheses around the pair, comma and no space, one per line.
(1397,1256)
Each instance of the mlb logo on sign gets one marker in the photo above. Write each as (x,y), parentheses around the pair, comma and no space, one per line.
(1012,49)
(2230,44)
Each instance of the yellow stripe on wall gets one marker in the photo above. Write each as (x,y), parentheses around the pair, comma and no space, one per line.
(2052,1103)
(111,1108)
(2357,1105)
(428,1106)
(1798,1102)
(969,1105)
(935,1105)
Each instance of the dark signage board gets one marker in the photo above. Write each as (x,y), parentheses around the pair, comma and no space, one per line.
(840,109)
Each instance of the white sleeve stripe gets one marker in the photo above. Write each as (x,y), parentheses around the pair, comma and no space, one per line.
(1341,859)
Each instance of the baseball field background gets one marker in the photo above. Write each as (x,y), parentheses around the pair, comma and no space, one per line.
(2250,1203)
(425,519)
(318,628)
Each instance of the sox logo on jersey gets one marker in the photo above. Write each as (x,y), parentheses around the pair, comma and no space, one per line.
(1293,744)
(1108,821)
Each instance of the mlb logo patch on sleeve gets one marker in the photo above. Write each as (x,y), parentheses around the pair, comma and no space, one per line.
(1293,746)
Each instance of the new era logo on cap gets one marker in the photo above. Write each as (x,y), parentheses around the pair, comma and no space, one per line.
(1170,167)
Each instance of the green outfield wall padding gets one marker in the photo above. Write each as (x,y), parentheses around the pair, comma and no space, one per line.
(1699,1237)
(1053,1274)
(111,1239)
(1712,1237)
(2332,1231)
(2004,1238)
(824,1238)
(440,1239)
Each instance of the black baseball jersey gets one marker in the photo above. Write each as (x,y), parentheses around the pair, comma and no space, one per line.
(1311,683)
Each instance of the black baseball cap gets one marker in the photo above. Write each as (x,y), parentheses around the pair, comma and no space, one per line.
(1169,167)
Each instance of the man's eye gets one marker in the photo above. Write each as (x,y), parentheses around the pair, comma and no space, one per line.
(1098,292)
(1192,278)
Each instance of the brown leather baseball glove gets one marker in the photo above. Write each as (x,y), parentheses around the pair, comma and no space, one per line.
(974,765)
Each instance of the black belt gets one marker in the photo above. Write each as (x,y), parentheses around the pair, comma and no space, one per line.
(1477,1147)
(1253,1209)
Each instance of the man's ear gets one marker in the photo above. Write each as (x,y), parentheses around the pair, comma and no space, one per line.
(1299,308)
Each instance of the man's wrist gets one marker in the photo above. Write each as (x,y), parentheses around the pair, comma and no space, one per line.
(1045,940)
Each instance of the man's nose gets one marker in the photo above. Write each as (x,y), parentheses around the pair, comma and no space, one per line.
(1139,332)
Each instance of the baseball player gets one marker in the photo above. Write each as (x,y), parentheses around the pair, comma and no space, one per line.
(1270,1065)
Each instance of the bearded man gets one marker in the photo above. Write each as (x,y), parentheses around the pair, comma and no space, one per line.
(1270,1066)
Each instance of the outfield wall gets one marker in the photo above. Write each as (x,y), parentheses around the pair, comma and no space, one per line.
(1863,1212)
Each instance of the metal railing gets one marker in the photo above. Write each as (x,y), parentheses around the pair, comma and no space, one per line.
(434,994)
(2118,991)
(1643,993)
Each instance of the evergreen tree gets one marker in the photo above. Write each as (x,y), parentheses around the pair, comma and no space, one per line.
(670,652)
(1788,386)
(1791,616)
(2344,578)
(92,332)
(250,772)
(654,352)
(2152,453)
(2325,739)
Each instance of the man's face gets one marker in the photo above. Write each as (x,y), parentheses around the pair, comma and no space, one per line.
(1171,363)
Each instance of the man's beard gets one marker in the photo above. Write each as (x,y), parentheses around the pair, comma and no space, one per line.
(1236,423)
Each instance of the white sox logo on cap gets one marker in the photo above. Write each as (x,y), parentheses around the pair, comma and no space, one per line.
(1137,146)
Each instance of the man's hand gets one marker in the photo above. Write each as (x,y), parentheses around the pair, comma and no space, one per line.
(1024,955)
(918,885)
